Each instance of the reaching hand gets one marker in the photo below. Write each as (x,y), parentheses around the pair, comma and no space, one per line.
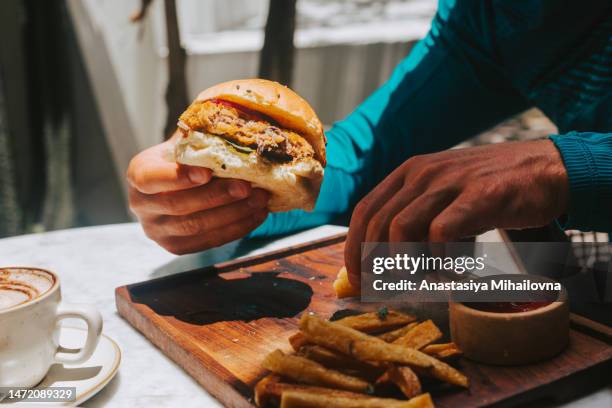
(446,196)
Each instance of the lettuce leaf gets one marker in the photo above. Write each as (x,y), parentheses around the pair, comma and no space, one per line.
(241,149)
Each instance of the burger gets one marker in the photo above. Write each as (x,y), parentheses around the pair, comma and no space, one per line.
(259,131)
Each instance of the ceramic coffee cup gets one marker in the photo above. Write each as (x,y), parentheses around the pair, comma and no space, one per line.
(30,312)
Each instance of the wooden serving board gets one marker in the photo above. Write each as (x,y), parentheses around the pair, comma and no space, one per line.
(219,322)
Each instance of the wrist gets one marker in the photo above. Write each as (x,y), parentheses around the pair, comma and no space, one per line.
(556,176)
(581,161)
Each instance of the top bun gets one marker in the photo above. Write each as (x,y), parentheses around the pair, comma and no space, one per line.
(277,102)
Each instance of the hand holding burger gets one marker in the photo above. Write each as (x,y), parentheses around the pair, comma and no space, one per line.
(243,148)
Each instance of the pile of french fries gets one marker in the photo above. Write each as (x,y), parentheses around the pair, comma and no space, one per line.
(351,361)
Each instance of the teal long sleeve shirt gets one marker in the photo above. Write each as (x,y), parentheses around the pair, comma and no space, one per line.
(481,62)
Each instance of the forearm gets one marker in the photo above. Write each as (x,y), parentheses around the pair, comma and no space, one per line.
(445,91)
(588,159)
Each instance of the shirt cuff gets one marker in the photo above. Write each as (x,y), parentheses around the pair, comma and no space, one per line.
(582,157)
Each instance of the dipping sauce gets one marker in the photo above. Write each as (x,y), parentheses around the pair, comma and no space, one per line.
(507,307)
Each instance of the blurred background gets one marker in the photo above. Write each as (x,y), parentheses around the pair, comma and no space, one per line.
(86,84)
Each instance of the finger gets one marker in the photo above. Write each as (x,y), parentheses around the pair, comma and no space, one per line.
(214,194)
(418,173)
(364,210)
(154,171)
(216,237)
(465,217)
(378,227)
(412,223)
(203,221)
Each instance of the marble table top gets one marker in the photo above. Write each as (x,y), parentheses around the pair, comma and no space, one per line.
(93,261)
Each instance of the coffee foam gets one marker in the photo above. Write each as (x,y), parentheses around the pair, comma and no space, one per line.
(18,286)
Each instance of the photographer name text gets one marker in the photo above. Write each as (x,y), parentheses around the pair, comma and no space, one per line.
(405,285)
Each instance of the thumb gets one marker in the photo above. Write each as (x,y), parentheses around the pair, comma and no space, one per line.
(154,171)
(197,175)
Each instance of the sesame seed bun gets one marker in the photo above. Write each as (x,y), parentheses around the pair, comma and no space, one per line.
(277,102)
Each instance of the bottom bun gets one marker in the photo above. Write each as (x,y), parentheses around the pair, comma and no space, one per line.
(292,185)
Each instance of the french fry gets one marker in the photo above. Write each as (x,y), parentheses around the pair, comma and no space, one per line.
(392,335)
(263,390)
(366,322)
(298,340)
(269,389)
(444,372)
(332,359)
(443,351)
(369,348)
(335,360)
(343,287)
(421,335)
(373,322)
(404,378)
(359,345)
(301,399)
(306,371)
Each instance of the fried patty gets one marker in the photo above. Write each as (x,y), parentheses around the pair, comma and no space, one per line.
(248,130)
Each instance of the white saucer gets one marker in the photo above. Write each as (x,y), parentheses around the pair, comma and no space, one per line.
(89,377)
